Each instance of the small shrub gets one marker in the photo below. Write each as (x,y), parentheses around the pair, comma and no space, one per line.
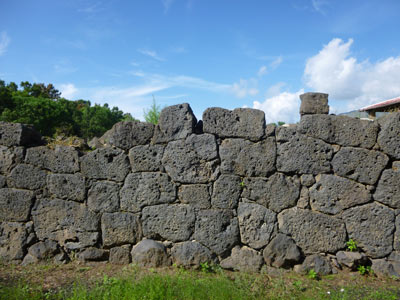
(351,245)
(312,274)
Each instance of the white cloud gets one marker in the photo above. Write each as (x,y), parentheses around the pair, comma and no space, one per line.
(151,53)
(318,5)
(335,71)
(68,90)
(245,88)
(276,62)
(262,71)
(4,42)
(281,107)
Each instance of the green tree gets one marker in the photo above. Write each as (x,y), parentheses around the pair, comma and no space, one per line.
(153,114)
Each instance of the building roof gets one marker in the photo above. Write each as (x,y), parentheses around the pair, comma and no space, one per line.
(381,104)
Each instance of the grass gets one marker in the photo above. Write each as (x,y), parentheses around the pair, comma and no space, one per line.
(100,282)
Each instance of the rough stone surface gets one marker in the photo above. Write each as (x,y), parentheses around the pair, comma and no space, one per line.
(301,154)
(14,239)
(320,264)
(146,158)
(218,230)
(190,254)
(128,134)
(396,242)
(240,123)
(105,163)
(276,192)
(15,205)
(171,222)
(304,200)
(314,103)
(385,268)
(256,224)
(307,180)
(196,195)
(244,158)
(120,255)
(389,135)
(15,134)
(6,159)
(362,165)
(2,181)
(193,160)
(226,192)
(243,259)
(282,252)
(42,250)
(351,260)
(313,232)
(67,186)
(175,122)
(388,188)
(150,254)
(372,227)
(119,228)
(341,130)
(25,176)
(144,189)
(65,222)
(93,254)
(103,197)
(62,159)
(332,194)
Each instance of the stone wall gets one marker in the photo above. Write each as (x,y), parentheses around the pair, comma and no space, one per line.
(228,189)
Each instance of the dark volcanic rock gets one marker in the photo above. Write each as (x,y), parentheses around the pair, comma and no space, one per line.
(93,254)
(146,158)
(14,239)
(388,189)
(226,192)
(25,176)
(351,260)
(15,134)
(67,186)
(150,254)
(190,254)
(320,264)
(196,195)
(243,259)
(103,197)
(119,228)
(15,205)
(282,252)
(314,103)
(120,255)
(389,135)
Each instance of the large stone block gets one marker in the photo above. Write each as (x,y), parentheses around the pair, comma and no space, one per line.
(384,268)
(396,242)
(218,230)
(332,194)
(371,226)
(171,222)
(105,163)
(341,130)
(175,122)
(25,176)
(144,189)
(2,181)
(245,158)
(301,154)
(389,135)
(388,189)
(320,264)
(226,191)
(313,232)
(120,255)
(196,195)
(15,134)
(276,192)
(256,224)
(191,254)
(67,186)
(150,254)
(62,159)
(281,252)
(362,165)
(67,222)
(244,123)
(243,259)
(193,160)
(43,250)
(128,134)
(104,197)
(146,158)
(119,228)
(9,157)
(15,205)
(314,103)
(14,239)
(93,254)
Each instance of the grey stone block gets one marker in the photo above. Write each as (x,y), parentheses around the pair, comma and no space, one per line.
(372,227)
(243,259)
(332,194)
(25,176)
(320,264)
(226,191)
(384,268)
(307,180)
(150,254)
(105,163)
(362,165)
(15,205)
(14,239)
(15,134)
(119,228)
(244,158)
(103,197)
(93,254)
(396,242)
(67,186)
(196,195)
(175,122)
(314,103)
(144,189)
(43,250)
(256,224)
(313,232)
(2,181)
(193,160)
(9,157)
(351,260)
(120,255)
(282,252)
(244,123)
(62,159)
(146,158)
(389,135)
(170,222)
(388,188)
(191,254)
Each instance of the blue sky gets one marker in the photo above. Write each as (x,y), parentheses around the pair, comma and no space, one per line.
(226,53)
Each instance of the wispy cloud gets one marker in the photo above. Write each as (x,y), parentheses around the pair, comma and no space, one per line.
(245,88)
(93,8)
(167,4)
(4,42)
(68,90)
(178,49)
(262,71)
(151,53)
(276,62)
(318,6)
